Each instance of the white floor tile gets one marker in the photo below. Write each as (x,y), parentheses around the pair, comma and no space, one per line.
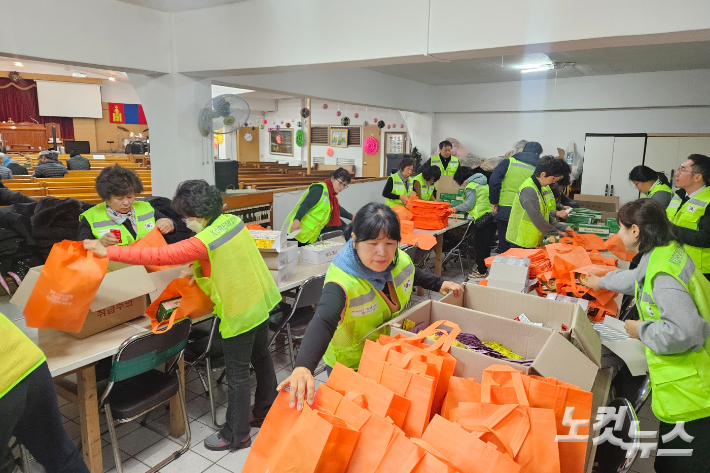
(643,465)
(198,407)
(189,462)
(70,410)
(139,440)
(235,460)
(160,425)
(200,449)
(131,466)
(122,430)
(216,469)
(107,457)
(221,413)
(73,429)
(198,432)
(61,401)
(283,374)
(157,452)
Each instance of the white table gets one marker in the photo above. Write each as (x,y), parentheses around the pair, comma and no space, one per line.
(439,234)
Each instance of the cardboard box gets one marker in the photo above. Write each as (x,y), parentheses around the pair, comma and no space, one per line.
(321,252)
(269,239)
(553,355)
(551,313)
(280,275)
(446,185)
(509,273)
(607,205)
(278,258)
(601,230)
(161,279)
(121,297)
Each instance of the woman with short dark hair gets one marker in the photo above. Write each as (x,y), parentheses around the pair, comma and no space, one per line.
(673,301)
(120,219)
(399,185)
(425,182)
(652,184)
(228,267)
(368,283)
(318,210)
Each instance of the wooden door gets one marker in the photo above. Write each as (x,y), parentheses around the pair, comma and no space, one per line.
(598,155)
(371,163)
(247,150)
(628,153)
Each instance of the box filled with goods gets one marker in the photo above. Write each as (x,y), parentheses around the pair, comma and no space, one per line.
(320,252)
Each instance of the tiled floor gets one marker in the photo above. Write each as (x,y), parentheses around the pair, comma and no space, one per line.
(143,447)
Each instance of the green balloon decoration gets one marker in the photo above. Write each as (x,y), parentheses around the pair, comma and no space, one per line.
(300,138)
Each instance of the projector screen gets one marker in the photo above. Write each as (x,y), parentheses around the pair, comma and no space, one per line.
(69,99)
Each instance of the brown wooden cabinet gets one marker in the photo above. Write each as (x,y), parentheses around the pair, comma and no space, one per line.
(24,136)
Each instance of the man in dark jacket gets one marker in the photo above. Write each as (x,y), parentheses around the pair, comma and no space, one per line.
(49,165)
(507,177)
(77,162)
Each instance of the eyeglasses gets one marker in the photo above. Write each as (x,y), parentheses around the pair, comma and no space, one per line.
(345,186)
(682,170)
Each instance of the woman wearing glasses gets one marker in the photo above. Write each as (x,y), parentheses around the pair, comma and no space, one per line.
(318,210)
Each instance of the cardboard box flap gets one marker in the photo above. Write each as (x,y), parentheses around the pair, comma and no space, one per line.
(161,279)
(22,295)
(122,285)
(561,360)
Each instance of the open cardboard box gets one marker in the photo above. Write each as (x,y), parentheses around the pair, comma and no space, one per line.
(554,356)
(509,304)
(276,259)
(121,297)
(446,185)
(607,205)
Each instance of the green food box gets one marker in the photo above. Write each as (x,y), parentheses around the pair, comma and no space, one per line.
(166,308)
(449,197)
(462,192)
(596,229)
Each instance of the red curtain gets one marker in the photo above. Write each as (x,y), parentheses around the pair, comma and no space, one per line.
(21,105)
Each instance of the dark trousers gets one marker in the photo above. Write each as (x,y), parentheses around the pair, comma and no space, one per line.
(251,346)
(30,412)
(503,244)
(700,459)
(482,244)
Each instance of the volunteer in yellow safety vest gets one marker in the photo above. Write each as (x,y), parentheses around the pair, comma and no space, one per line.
(444,160)
(399,186)
(28,406)
(425,182)
(120,219)
(476,204)
(532,216)
(652,184)
(228,267)
(673,301)
(504,183)
(368,283)
(318,211)
(688,210)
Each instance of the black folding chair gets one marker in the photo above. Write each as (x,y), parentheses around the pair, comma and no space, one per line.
(294,323)
(330,235)
(610,458)
(204,348)
(460,248)
(136,387)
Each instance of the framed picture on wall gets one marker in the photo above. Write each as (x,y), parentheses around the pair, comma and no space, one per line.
(339,137)
(281,142)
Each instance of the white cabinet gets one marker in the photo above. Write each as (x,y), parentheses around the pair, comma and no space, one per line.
(666,153)
(608,160)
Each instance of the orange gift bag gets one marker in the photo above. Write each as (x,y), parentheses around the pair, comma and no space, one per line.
(429,215)
(404,456)
(618,249)
(460,390)
(193,303)
(65,289)
(589,241)
(568,250)
(153,239)
(380,400)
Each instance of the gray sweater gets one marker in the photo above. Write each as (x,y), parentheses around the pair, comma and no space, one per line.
(530,201)
(681,327)
(469,201)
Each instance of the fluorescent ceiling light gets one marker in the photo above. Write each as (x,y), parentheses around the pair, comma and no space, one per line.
(539,68)
(112,79)
(78,74)
(19,64)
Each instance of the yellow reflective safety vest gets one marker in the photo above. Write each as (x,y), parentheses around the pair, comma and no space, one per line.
(516,174)
(102,224)
(688,216)
(19,356)
(365,310)
(239,284)
(450,169)
(521,230)
(427,190)
(658,187)
(399,189)
(315,219)
(680,382)
(483,205)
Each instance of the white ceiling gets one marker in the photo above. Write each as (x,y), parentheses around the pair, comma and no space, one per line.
(179,5)
(591,62)
(40,67)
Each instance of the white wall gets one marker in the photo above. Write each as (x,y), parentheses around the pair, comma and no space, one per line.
(289,112)
(119,91)
(352,199)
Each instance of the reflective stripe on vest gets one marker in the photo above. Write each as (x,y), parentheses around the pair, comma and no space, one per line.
(483,204)
(680,382)
(521,230)
(516,174)
(426,189)
(399,189)
(450,168)
(688,215)
(315,219)
(239,284)
(366,310)
(101,224)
